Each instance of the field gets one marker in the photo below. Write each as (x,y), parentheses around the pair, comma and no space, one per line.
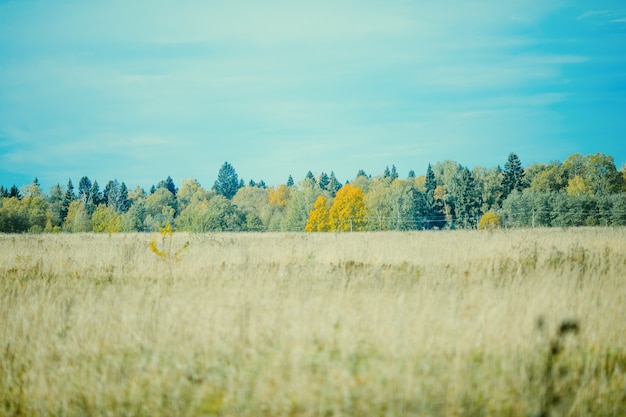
(455,323)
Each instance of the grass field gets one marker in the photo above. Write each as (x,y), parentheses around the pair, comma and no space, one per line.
(462,323)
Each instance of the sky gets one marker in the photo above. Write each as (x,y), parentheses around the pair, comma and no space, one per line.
(138,91)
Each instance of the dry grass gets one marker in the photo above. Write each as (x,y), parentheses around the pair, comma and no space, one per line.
(385,324)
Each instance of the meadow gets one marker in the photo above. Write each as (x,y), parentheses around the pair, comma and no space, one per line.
(526,322)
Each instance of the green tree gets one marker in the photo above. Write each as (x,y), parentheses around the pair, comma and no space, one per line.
(323,181)
(468,200)
(513,178)
(160,209)
(106,219)
(333,185)
(67,200)
(84,190)
(434,211)
(227,182)
(77,219)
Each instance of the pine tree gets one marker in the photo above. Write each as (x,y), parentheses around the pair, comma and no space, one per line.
(227,182)
(67,200)
(4,193)
(169,184)
(334,185)
(513,175)
(290,182)
(387,173)
(84,190)
(361,173)
(434,213)
(394,173)
(411,174)
(323,181)
(123,204)
(310,177)
(15,192)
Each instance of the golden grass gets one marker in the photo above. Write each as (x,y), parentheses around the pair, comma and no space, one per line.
(363,324)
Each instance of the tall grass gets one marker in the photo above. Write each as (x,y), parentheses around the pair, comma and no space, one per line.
(383,324)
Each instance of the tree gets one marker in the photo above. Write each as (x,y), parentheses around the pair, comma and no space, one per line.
(168,184)
(348,210)
(434,211)
(318,217)
(15,192)
(227,182)
(106,219)
(116,196)
(310,177)
(290,182)
(513,175)
(324,181)
(77,219)
(333,185)
(468,200)
(84,190)
(67,200)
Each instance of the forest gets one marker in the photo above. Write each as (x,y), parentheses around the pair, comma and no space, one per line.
(583,190)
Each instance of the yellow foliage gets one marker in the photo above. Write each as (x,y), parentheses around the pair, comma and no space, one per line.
(165,252)
(105,219)
(489,221)
(348,210)
(318,217)
(577,186)
(278,197)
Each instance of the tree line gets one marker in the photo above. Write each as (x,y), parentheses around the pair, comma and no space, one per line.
(584,190)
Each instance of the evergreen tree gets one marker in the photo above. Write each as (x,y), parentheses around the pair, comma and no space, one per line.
(67,200)
(387,173)
(227,182)
(290,182)
(15,192)
(169,184)
(434,214)
(84,190)
(310,177)
(411,175)
(324,181)
(262,184)
(95,196)
(333,185)
(468,201)
(513,175)
(152,189)
(4,193)
(361,173)
(123,203)
(252,183)
(394,173)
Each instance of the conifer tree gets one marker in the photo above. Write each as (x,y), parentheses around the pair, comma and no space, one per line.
(334,185)
(290,182)
(84,190)
(15,192)
(67,200)
(394,173)
(513,175)
(310,177)
(4,193)
(411,174)
(323,181)
(227,183)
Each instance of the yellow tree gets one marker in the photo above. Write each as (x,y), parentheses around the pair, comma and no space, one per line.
(348,210)
(319,217)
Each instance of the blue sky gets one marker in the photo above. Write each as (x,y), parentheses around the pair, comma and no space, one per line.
(139,90)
